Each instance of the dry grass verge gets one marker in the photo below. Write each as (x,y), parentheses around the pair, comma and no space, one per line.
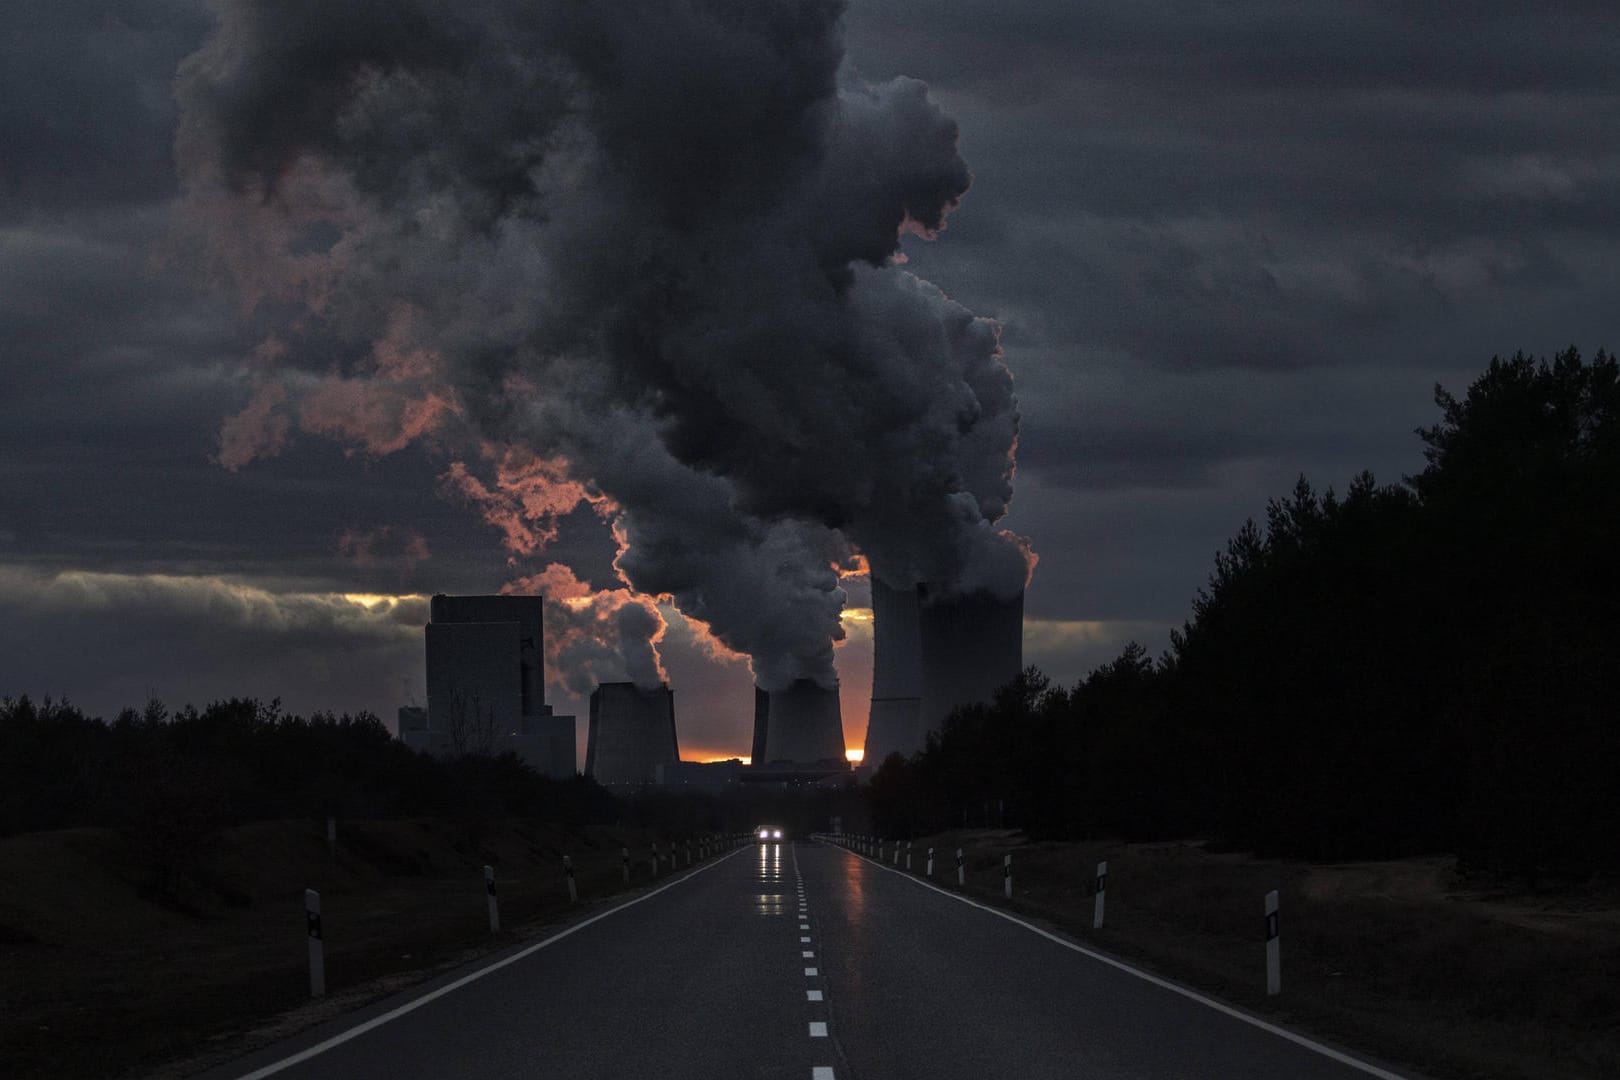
(99,980)
(1400,959)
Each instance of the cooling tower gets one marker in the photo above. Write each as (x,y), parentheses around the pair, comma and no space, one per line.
(632,732)
(762,713)
(971,646)
(892,726)
(803,725)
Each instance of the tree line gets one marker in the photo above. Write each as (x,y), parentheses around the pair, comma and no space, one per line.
(1425,667)
(245,760)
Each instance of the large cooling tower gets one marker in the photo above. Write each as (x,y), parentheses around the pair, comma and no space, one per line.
(762,715)
(892,726)
(971,646)
(803,725)
(632,731)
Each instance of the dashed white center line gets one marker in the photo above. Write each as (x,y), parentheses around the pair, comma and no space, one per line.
(812,995)
(810,972)
(809,954)
(804,926)
(821,1072)
(818,1029)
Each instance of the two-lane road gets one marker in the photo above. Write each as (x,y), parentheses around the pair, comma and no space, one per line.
(798,961)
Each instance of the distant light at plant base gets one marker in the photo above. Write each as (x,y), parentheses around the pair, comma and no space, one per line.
(855,755)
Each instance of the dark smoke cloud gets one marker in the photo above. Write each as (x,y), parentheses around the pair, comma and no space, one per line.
(650,244)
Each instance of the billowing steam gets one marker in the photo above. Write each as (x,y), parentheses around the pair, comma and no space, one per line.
(638,255)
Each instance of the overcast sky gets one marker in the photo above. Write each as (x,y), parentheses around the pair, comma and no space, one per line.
(1228,243)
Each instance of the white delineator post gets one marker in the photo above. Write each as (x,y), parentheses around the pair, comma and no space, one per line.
(1102,893)
(317,947)
(1006,875)
(908,855)
(1273,946)
(930,871)
(655,858)
(494,906)
(573,889)
(624,853)
(689,852)
(897,853)
(961,875)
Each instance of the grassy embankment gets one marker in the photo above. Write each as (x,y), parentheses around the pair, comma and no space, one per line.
(98,979)
(1399,959)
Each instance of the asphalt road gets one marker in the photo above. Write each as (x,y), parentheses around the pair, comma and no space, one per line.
(798,961)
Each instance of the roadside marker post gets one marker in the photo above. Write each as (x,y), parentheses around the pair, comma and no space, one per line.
(655,858)
(930,872)
(1273,947)
(897,853)
(624,853)
(317,946)
(1102,891)
(573,888)
(689,853)
(1006,875)
(961,876)
(494,905)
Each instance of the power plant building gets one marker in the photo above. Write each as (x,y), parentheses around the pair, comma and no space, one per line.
(486,685)
(632,734)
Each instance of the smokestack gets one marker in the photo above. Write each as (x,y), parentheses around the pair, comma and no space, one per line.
(892,726)
(803,725)
(972,645)
(632,732)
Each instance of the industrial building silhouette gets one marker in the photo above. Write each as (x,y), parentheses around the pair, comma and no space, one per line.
(934,650)
(486,685)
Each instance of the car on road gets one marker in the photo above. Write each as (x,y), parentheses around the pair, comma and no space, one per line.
(769,834)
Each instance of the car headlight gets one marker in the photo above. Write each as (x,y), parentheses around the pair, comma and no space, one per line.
(765,834)
(777,834)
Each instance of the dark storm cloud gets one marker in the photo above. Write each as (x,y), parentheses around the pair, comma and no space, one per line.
(1255,184)
(1228,242)
(86,113)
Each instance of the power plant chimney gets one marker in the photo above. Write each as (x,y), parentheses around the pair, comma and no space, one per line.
(893,724)
(632,732)
(971,646)
(803,725)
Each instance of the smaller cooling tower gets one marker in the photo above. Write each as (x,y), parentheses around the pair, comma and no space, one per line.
(892,726)
(972,645)
(803,725)
(632,731)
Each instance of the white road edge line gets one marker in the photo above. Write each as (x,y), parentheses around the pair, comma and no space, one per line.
(417,1003)
(1218,1006)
